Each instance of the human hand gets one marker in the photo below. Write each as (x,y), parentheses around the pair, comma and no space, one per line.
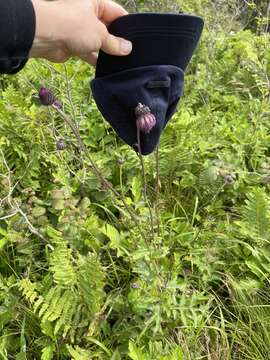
(66,28)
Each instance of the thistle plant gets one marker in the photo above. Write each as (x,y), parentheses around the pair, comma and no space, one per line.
(145,122)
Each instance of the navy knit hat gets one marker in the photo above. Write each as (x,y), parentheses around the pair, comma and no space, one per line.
(152,75)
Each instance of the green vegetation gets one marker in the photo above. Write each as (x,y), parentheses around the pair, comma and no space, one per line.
(90,267)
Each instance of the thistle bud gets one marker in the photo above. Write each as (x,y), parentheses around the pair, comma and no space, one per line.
(145,119)
(229,178)
(120,161)
(60,145)
(46,97)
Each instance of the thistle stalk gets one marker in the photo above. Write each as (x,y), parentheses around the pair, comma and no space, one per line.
(94,168)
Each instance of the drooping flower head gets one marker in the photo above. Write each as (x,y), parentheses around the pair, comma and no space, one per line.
(46,97)
(145,120)
(60,145)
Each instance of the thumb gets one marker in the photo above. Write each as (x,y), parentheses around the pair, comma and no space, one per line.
(114,45)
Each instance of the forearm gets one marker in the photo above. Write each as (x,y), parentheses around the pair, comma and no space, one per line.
(57,30)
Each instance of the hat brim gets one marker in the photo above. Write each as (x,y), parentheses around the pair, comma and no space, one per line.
(157,39)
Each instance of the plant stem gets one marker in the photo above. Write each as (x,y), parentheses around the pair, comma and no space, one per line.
(157,189)
(95,170)
(145,183)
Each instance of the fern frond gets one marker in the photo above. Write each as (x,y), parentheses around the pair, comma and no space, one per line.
(29,290)
(69,315)
(47,301)
(60,260)
(68,308)
(91,282)
(57,305)
(38,303)
(256,216)
(78,353)
(54,310)
(48,352)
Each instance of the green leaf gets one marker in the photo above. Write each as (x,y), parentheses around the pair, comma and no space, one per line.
(176,355)
(58,204)
(22,354)
(136,188)
(78,353)
(135,353)
(116,355)
(48,352)
(38,211)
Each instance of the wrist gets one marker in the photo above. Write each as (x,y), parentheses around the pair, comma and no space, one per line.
(48,25)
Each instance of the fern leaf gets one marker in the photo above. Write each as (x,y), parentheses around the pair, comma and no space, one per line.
(47,352)
(256,217)
(69,315)
(28,290)
(61,260)
(47,301)
(54,310)
(68,305)
(91,282)
(78,353)
(38,303)
(135,353)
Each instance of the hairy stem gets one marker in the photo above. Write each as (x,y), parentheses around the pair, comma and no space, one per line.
(157,189)
(96,171)
(145,184)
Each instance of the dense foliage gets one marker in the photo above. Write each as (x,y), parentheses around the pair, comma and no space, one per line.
(105,255)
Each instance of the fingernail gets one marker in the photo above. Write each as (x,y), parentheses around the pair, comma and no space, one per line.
(125,46)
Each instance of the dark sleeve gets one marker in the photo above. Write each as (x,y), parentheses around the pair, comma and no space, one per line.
(17,32)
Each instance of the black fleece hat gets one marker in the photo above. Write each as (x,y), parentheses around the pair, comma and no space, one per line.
(152,75)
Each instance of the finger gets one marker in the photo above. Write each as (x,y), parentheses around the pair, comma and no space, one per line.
(111,11)
(114,45)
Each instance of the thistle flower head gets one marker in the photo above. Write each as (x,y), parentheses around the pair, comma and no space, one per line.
(60,145)
(145,120)
(46,97)
(134,286)
(230,178)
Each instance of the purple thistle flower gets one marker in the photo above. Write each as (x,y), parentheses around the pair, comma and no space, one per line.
(46,97)
(229,178)
(146,123)
(145,119)
(134,286)
(60,145)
